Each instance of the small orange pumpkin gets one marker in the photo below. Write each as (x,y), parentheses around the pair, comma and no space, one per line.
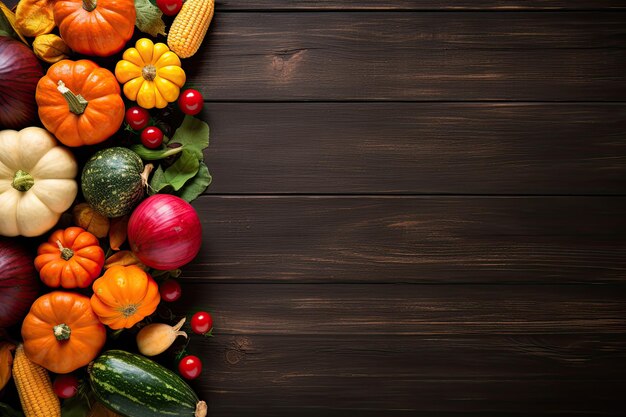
(61,332)
(95,27)
(79,102)
(124,296)
(70,258)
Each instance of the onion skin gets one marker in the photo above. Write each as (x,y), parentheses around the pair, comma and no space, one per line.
(19,284)
(164,232)
(20,72)
(156,338)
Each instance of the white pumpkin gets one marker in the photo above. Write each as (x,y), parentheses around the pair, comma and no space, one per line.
(37,181)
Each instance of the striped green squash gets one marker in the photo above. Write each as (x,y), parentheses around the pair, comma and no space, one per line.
(135,386)
(113,181)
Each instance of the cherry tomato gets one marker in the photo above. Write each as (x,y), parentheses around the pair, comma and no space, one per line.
(170,290)
(190,102)
(137,117)
(170,7)
(201,322)
(152,137)
(65,386)
(190,367)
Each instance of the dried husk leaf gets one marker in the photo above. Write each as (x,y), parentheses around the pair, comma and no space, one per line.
(6,362)
(50,48)
(34,17)
(10,17)
(123,258)
(90,220)
(118,232)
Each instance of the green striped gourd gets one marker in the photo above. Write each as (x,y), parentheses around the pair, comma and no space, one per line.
(135,386)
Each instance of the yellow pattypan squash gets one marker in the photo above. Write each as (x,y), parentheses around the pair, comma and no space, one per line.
(151,74)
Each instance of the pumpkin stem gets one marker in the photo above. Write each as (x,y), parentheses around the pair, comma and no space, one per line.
(145,174)
(149,72)
(89,5)
(77,103)
(201,409)
(129,310)
(22,180)
(62,331)
(66,253)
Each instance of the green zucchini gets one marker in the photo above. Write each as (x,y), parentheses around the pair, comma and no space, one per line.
(113,181)
(135,386)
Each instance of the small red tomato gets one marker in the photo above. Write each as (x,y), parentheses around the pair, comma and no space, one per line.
(137,117)
(201,322)
(190,102)
(152,137)
(169,7)
(170,290)
(190,367)
(65,386)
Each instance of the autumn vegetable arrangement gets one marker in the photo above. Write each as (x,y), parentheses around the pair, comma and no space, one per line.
(101,154)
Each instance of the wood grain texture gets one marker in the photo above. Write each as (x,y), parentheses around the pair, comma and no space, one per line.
(417,148)
(405,309)
(413,56)
(510,5)
(415,240)
(363,375)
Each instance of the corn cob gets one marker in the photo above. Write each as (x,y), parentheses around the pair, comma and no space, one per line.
(34,387)
(190,27)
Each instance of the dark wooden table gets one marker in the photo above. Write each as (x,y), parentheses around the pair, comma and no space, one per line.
(418,208)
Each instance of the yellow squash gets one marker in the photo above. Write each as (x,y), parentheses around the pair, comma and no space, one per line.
(151,74)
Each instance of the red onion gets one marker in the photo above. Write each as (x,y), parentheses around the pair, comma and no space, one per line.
(19,283)
(20,72)
(164,232)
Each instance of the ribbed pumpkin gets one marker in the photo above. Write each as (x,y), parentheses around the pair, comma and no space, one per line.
(124,296)
(70,258)
(61,332)
(79,102)
(95,27)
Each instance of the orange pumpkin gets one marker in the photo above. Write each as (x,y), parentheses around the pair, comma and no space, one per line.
(123,296)
(95,27)
(61,332)
(70,258)
(79,102)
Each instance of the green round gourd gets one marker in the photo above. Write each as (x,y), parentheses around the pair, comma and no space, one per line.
(135,386)
(112,181)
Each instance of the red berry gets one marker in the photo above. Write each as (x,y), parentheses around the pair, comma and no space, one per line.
(170,290)
(201,322)
(169,7)
(190,367)
(152,137)
(137,117)
(65,386)
(190,102)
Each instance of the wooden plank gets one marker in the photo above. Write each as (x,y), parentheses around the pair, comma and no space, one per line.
(405,309)
(417,148)
(318,375)
(513,5)
(412,56)
(411,239)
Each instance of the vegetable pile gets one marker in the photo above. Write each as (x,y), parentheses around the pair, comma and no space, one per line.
(101,153)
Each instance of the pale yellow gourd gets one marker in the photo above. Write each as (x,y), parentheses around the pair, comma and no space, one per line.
(37,181)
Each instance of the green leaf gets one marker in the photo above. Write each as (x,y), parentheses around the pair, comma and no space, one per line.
(185,167)
(193,134)
(77,406)
(154,154)
(149,18)
(158,184)
(7,411)
(197,185)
